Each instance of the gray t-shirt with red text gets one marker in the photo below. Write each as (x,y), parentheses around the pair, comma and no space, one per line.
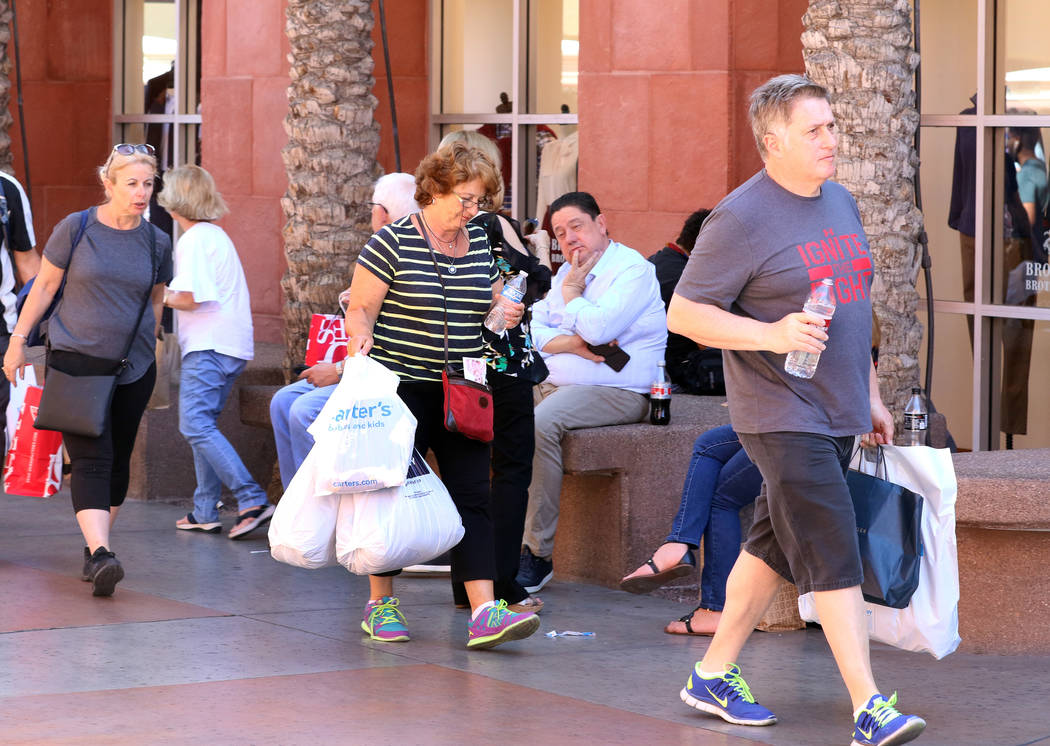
(758,254)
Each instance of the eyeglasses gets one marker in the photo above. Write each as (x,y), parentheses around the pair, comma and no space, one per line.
(379,205)
(481,203)
(128,149)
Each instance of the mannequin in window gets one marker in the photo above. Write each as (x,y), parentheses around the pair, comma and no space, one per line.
(1016,333)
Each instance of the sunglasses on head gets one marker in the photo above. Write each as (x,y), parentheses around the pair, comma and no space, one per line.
(128,149)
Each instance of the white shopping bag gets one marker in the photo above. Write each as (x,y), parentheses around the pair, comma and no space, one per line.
(363,436)
(302,530)
(930,622)
(389,529)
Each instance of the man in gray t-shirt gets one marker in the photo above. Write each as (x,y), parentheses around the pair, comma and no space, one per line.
(755,260)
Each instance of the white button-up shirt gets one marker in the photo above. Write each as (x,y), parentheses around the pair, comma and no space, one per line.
(621,302)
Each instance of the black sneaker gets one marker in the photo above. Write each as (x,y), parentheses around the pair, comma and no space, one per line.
(104,571)
(533,572)
(85,574)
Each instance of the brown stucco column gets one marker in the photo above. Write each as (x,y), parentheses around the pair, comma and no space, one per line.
(663,103)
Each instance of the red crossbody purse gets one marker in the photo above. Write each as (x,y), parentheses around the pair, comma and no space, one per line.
(467,404)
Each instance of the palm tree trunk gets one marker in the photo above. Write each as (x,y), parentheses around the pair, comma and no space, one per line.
(7,159)
(862,52)
(330,157)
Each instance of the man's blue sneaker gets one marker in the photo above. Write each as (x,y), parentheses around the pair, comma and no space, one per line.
(533,571)
(880,724)
(726,696)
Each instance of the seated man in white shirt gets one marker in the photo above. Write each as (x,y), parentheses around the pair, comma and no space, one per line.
(605,294)
(296,406)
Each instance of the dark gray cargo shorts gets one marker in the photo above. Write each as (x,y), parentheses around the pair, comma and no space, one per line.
(804,526)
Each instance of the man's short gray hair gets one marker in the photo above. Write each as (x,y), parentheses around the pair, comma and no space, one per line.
(397,193)
(772,101)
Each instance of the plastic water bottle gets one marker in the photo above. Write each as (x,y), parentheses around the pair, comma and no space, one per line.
(821,302)
(916,419)
(513,289)
(660,398)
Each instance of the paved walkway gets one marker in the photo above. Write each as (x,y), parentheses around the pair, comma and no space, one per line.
(211,639)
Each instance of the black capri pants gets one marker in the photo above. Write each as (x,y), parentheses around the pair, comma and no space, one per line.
(101,467)
(464,467)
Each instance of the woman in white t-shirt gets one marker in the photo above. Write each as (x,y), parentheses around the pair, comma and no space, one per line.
(214,322)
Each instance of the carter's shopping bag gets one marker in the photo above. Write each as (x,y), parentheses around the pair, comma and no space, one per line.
(33,466)
(930,622)
(363,436)
(389,529)
(327,340)
(302,530)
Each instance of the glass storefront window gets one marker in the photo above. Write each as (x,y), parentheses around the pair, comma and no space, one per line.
(991,292)
(477,63)
(1023,79)
(477,88)
(554,56)
(949,55)
(952,386)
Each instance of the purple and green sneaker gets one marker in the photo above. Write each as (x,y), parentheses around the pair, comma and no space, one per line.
(384,622)
(881,724)
(727,696)
(497,624)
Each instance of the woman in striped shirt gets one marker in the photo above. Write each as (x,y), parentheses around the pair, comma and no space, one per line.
(410,274)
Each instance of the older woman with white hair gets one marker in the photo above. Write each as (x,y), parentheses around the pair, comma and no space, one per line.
(294,407)
(214,320)
(115,266)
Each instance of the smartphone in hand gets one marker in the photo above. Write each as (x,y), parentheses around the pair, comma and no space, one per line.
(614,355)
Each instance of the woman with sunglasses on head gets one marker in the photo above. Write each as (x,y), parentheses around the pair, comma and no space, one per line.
(409,275)
(109,275)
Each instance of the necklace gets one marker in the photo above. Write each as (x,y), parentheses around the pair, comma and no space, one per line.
(451,256)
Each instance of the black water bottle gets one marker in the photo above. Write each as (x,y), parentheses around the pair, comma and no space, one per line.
(660,398)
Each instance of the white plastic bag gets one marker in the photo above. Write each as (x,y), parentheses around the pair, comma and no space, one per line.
(363,436)
(389,529)
(930,622)
(302,530)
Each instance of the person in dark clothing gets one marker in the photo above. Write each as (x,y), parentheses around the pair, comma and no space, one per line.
(693,368)
(18,263)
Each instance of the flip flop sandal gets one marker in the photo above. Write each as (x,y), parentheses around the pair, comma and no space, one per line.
(529,603)
(688,620)
(193,525)
(659,578)
(258,516)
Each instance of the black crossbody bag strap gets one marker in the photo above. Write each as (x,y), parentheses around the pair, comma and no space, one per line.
(146,299)
(444,299)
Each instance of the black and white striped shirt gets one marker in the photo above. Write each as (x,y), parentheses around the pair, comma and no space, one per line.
(409,331)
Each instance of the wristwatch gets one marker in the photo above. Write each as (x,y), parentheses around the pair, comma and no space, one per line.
(339,367)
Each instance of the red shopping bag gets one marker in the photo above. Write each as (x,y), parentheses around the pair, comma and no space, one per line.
(33,467)
(327,342)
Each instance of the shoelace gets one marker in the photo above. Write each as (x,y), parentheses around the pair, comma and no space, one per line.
(734,681)
(883,711)
(496,614)
(386,611)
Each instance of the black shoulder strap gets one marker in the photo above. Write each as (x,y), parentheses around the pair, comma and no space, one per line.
(69,262)
(149,292)
(444,302)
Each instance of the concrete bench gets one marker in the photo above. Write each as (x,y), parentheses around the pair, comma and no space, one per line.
(1003,532)
(622,486)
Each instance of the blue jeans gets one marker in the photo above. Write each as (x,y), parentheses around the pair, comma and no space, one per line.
(207,377)
(721,480)
(292,410)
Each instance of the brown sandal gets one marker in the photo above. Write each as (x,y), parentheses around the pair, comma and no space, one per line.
(659,578)
(688,621)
